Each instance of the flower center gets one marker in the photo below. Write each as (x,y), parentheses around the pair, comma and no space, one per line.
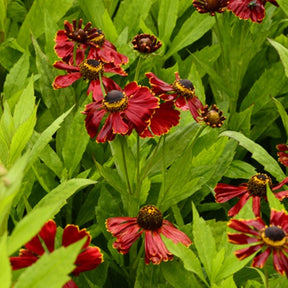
(212,5)
(213,117)
(257,184)
(99,38)
(90,69)
(184,87)
(150,218)
(273,236)
(115,100)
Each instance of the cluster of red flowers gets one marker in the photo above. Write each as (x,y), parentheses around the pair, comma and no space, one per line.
(244,9)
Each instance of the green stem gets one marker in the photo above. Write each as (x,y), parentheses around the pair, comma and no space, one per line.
(163,186)
(125,165)
(266,276)
(138,183)
(138,68)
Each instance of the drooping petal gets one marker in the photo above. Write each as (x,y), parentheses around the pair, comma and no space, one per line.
(261,258)
(63,81)
(87,260)
(246,252)
(237,238)
(72,234)
(106,132)
(25,259)
(155,249)
(164,118)
(236,208)
(280,262)
(244,226)
(94,116)
(182,103)
(171,232)
(256,205)
(282,183)
(157,85)
(70,284)
(64,66)
(47,234)
(195,105)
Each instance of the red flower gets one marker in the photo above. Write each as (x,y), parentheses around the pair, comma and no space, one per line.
(100,48)
(150,222)
(131,108)
(263,239)
(283,154)
(164,118)
(210,6)
(212,117)
(88,69)
(255,188)
(182,91)
(88,259)
(248,9)
(146,43)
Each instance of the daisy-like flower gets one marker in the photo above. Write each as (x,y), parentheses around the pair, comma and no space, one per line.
(150,222)
(212,117)
(210,6)
(146,43)
(88,259)
(248,9)
(255,188)
(89,69)
(123,111)
(181,91)
(283,154)
(263,239)
(164,118)
(86,37)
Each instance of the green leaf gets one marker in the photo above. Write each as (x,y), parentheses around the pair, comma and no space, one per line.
(192,29)
(76,142)
(258,153)
(283,53)
(240,170)
(168,10)
(25,105)
(204,242)
(52,269)
(3,11)
(178,277)
(15,80)
(282,113)
(274,202)
(34,23)
(47,207)
(189,259)
(284,5)
(5,267)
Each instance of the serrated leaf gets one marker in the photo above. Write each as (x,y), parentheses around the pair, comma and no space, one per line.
(258,153)
(47,207)
(52,269)
(189,259)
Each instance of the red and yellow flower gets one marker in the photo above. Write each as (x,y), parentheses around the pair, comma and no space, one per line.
(210,6)
(122,111)
(88,259)
(89,69)
(149,222)
(255,188)
(181,91)
(84,38)
(283,154)
(263,239)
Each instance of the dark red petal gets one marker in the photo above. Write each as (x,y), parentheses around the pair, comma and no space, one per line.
(131,88)
(87,260)
(64,66)
(280,262)
(244,226)
(225,192)
(261,258)
(282,183)
(115,225)
(195,106)
(72,234)
(246,252)
(171,232)
(164,118)
(158,86)
(236,208)
(112,68)
(155,249)
(282,147)
(106,132)
(70,284)
(279,218)
(118,125)
(47,234)
(22,261)
(256,205)
(63,81)
(182,103)
(241,239)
